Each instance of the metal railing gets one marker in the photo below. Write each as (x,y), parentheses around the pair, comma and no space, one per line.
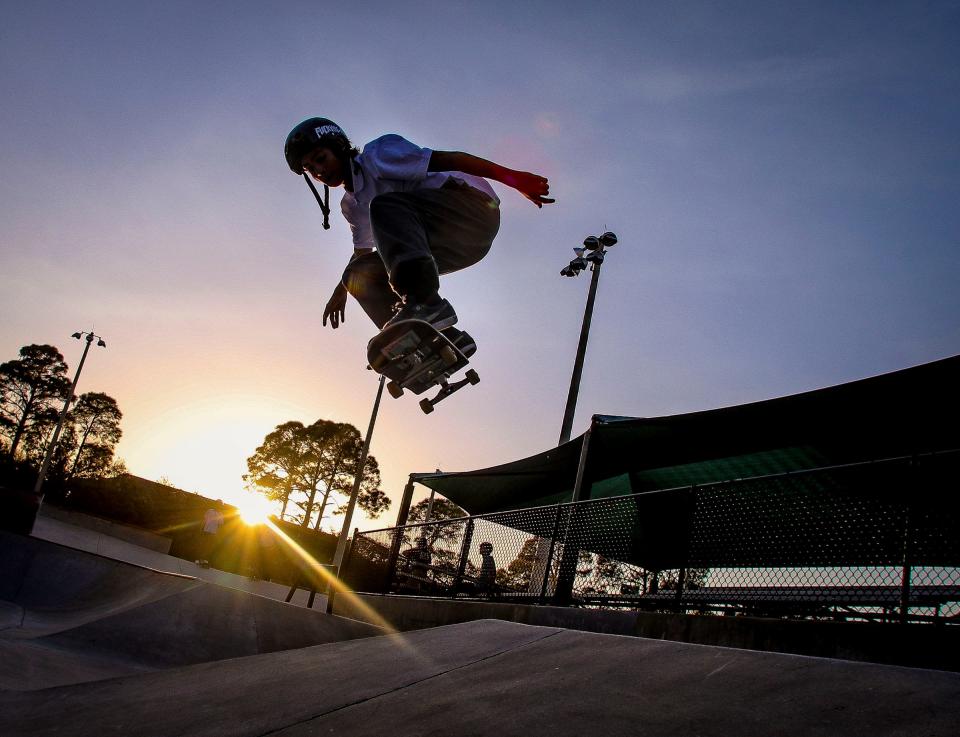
(877,540)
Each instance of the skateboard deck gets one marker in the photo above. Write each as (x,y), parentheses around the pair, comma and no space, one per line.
(414,355)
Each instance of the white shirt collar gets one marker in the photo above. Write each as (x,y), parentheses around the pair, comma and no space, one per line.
(356,171)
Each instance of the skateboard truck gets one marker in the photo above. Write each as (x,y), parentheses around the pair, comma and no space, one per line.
(446,389)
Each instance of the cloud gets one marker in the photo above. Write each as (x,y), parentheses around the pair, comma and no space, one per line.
(756,75)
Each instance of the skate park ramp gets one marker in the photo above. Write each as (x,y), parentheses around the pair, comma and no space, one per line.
(490,677)
(68,616)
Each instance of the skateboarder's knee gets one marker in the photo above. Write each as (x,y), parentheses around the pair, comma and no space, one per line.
(417,277)
(364,273)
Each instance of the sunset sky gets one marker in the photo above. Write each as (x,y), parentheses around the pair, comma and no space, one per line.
(783,178)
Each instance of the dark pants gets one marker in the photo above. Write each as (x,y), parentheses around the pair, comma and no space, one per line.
(420,235)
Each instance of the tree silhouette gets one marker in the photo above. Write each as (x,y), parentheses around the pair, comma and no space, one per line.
(273,467)
(443,540)
(517,574)
(318,463)
(442,509)
(31,387)
(94,430)
(343,458)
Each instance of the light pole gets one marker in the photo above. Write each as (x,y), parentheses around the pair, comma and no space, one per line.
(52,446)
(348,516)
(592,255)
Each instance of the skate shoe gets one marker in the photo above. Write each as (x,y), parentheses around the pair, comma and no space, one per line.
(462,340)
(440,314)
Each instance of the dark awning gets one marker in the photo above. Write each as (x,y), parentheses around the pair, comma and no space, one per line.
(910,411)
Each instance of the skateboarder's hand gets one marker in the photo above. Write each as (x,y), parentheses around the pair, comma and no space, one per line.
(336,307)
(532,186)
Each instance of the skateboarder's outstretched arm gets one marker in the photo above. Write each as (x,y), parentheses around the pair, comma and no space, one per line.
(532,186)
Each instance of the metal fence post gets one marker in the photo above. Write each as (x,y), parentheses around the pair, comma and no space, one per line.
(553,544)
(907,572)
(681,579)
(392,560)
(464,551)
(688,513)
(566,576)
(332,590)
(405,500)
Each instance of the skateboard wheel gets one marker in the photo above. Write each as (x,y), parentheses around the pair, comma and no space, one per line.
(396,391)
(472,376)
(426,405)
(448,355)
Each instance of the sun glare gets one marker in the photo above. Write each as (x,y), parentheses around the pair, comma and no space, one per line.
(254,510)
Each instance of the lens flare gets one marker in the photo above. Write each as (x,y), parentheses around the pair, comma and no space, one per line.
(254,509)
(321,579)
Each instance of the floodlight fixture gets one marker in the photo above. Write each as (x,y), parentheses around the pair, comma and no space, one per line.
(608,239)
(76,335)
(592,255)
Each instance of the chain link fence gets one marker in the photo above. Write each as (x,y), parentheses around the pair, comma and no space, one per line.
(869,541)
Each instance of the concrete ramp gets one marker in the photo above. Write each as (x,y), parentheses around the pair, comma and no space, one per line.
(54,588)
(499,678)
(68,616)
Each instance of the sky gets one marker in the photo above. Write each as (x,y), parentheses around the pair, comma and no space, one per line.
(782,177)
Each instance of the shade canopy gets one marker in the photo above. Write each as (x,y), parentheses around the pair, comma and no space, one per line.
(897,414)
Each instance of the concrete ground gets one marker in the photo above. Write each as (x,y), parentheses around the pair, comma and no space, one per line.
(500,678)
(95,646)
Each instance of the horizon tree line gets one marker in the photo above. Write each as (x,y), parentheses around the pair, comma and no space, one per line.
(33,388)
(312,468)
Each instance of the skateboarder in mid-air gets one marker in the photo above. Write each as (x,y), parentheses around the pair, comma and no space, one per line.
(414,213)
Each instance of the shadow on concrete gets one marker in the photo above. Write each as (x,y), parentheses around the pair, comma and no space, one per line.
(68,616)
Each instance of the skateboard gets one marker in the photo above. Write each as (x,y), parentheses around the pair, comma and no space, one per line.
(414,355)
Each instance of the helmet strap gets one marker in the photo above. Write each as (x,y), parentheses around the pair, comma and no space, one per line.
(324,203)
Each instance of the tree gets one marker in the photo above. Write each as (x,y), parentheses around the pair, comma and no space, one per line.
(94,433)
(442,509)
(517,574)
(31,387)
(117,469)
(371,498)
(319,460)
(443,540)
(274,465)
(342,455)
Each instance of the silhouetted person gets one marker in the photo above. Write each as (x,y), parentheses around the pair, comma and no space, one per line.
(487,579)
(212,522)
(266,550)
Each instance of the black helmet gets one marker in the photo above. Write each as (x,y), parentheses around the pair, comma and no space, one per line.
(309,134)
(305,137)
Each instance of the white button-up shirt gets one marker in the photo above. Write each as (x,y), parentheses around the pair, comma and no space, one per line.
(392,164)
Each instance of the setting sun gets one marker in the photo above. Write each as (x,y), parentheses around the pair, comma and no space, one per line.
(254,509)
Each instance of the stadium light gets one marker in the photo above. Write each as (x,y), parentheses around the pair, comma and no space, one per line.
(52,446)
(590,255)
